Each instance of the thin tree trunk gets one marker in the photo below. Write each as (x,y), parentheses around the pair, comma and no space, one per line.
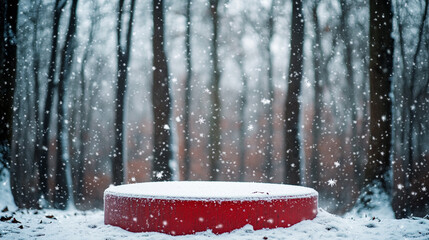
(47,111)
(351,165)
(2,32)
(188,93)
(118,173)
(270,111)
(84,123)
(161,99)
(64,193)
(318,99)
(216,107)
(292,105)
(381,68)
(36,92)
(242,121)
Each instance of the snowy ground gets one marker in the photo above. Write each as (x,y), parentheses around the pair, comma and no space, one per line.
(54,224)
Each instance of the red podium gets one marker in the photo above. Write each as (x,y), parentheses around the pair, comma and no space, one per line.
(179,208)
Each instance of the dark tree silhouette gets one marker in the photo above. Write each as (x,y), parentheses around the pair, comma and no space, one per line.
(292,105)
(380,73)
(63,183)
(8,47)
(8,63)
(123,54)
(270,108)
(318,65)
(36,92)
(188,94)
(216,107)
(381,67)
(161,99)
(47,110)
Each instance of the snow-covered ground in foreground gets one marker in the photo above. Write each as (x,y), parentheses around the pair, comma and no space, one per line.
(54,224)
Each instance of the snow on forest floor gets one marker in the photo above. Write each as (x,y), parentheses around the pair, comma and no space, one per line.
(72,224)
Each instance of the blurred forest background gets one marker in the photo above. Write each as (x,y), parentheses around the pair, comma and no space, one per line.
(331,94)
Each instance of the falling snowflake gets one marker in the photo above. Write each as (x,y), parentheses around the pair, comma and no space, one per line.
(201,120)
(332,182)
(250,127)
(265,101)
(166,127)
(159,174)
(337,164)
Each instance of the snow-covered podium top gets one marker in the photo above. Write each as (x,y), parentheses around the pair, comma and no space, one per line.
(179,208)
(201,190)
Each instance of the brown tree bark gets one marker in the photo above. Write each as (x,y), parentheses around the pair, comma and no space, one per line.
(381,69)
(123,54)
(292,106)
(161,99)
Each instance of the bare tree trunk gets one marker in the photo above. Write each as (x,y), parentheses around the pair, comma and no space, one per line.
(63,182)
(188,94)
(351,164)
(36,92)
(381,67)
(270,111)
(412,135)
(405,169)
(216,107)
(292,105)
(84,113)
(161,99)
(47,111)
(242,121)
(118,160)
(8,60)
(318,99)
(3,7)
(8,64)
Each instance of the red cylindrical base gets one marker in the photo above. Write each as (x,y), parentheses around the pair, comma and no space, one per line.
(179,217)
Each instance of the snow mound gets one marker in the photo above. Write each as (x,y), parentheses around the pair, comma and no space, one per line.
(6,199)
(54,224)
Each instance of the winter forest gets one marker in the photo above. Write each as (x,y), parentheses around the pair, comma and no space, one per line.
(329,94)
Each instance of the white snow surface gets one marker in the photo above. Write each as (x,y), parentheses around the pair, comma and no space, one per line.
(72,224)
(189,190)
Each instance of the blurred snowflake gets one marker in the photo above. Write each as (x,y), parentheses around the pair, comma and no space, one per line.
(332,182)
